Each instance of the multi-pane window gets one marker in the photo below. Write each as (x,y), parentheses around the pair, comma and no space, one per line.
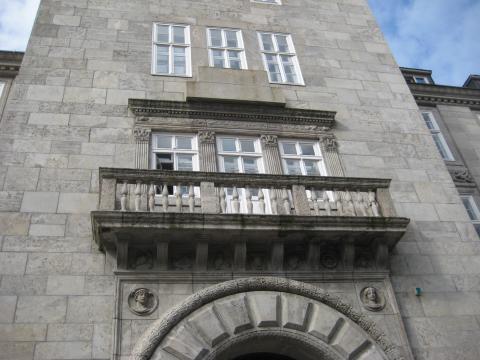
(241,155)
(175,152)
(280,59)
(437,136)
(226,49)
(302,158)
(472,210)
(171,50)
(278,2)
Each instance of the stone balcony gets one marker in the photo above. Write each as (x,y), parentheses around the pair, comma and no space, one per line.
(178,221)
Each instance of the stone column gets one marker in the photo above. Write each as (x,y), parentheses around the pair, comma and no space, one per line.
(329,146)
(206,151)
(271,154)
(142,147)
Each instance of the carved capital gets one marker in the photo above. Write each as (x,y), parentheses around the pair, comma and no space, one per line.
(329,142)
(142,134)
(269,140)
(206,137)
(462,176)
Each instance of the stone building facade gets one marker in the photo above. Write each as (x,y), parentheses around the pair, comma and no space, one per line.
(319,220)
(9,65)
(453,116)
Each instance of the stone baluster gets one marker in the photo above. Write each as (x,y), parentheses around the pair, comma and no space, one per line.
(326,203)
(261,201)
(191,198)
(286,202)
(151,197)
(362,208)
(248,196)
(178,198)
(165,198)
(138,195)
(235,201)
(123,196)
(273,201)
(316,208)
(349,207)
(338,201)
(373,204)
(223,200)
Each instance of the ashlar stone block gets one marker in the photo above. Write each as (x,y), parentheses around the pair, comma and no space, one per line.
(41,202)
(41,309)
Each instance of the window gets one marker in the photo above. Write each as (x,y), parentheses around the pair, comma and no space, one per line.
(278,2)
(421,80)
(280,59)
(437,136)
(175,152)
(2,86)
(472,210)
(226,49)
(302,158)
(242,155)
(171,50)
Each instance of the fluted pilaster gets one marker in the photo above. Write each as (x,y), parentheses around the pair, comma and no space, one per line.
(206,151)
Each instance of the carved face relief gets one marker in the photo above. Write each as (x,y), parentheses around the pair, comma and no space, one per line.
(329,259)
(142,301)
(372,299)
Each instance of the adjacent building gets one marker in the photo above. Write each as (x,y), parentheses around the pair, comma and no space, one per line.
(9,65)
(453,116)
(229,179)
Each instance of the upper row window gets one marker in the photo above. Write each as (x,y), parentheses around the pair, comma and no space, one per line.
(172,52)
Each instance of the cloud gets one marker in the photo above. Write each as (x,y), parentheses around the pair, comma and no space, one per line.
(16,20)
(439,35)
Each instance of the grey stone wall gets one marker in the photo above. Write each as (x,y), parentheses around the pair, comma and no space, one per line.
(67,115)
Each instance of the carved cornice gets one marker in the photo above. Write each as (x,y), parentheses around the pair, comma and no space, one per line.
(10,62)
(142,134)
(269,140)
(206,137)
(430,94)
(218,110)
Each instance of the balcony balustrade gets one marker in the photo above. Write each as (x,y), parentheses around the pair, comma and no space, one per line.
(142,208)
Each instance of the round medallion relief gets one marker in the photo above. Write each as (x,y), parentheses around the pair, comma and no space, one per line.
(142,301)
(372,299)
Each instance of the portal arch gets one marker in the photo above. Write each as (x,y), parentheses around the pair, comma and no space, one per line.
(264,315)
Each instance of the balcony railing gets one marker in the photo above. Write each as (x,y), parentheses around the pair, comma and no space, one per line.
(225,193)
(182,221)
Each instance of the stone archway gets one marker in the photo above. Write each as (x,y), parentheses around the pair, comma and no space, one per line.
(263,315)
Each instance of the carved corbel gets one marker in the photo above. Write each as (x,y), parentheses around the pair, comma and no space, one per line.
(142,134)
(329,142)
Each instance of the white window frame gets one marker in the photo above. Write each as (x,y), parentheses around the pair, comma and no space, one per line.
(171,45)
(268,2)
(240,154)
(224,48)
(317,157)
(258,155)
(441,144)
(424,78)
(473,207)
(174,150)
(275,52)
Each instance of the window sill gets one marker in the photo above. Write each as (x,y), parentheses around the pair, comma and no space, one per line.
(172,75)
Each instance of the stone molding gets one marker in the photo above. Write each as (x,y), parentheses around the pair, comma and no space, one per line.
(431,94)
(218,110)
(161,328)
